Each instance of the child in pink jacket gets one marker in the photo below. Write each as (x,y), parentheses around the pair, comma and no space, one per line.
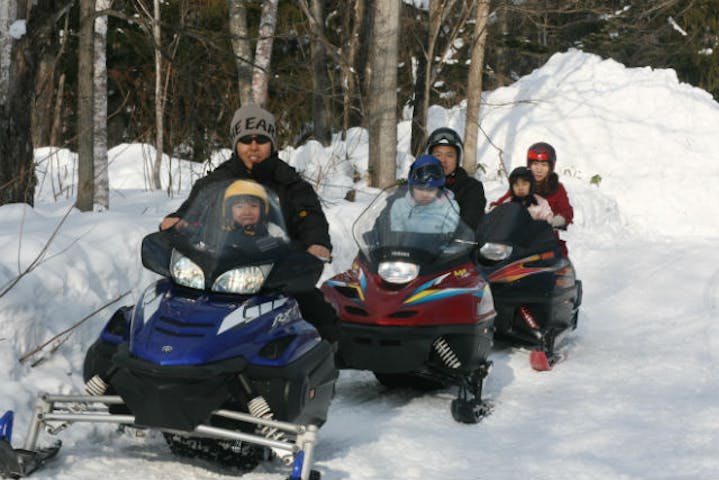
(522,189)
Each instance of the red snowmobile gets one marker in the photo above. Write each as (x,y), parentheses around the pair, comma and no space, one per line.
(413,308)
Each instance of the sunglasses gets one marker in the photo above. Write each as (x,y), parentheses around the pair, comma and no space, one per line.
(427,173)
(258,139)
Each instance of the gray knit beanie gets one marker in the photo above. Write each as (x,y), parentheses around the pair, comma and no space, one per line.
(251,119)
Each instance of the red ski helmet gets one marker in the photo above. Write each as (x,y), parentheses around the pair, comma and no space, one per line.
(542,152)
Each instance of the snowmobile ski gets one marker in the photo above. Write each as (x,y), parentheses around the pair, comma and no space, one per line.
(19,462)
(540,362)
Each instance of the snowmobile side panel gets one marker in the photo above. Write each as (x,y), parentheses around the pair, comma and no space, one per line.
(386,349)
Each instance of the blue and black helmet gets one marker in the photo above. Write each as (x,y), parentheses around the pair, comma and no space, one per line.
(426,172)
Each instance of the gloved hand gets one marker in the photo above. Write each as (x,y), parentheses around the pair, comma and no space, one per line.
(557,221)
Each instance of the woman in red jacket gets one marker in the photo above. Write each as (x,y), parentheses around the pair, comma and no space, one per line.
(541,158)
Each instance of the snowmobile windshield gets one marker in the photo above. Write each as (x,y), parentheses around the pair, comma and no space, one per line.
(420,226)
(511,224)
(228,241)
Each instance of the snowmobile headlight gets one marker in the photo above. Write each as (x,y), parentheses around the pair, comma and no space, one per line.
(186,272)
(245,280)
(486,303)
(398,272)
(495,251)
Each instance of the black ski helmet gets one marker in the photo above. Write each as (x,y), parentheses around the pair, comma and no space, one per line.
(542,152)
(446,136)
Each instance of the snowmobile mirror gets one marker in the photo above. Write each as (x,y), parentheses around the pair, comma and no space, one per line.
(156,253)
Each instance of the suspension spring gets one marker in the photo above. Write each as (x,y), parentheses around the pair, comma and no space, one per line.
(96,386)
(259,408)
(445,353)
(529,319)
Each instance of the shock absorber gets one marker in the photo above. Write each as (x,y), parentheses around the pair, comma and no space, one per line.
(258,407)
(98,384)
(445,353)
(531,322)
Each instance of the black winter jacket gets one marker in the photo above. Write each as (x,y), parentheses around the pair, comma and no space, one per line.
(469,193)
(304,218)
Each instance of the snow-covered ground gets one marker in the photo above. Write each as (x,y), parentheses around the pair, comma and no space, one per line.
(637,397)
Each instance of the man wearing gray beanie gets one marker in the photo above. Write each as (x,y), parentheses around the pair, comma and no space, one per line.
(253,120)
(254,157)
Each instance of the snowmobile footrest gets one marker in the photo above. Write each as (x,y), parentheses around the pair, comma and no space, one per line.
(542,362)
(18,463)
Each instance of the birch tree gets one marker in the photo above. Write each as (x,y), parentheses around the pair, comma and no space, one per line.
(383,93)
(474,87)
(263,52)
(159,97)
(241,48)
(102,182)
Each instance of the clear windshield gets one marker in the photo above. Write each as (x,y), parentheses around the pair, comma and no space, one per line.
(231,222)
(422,226)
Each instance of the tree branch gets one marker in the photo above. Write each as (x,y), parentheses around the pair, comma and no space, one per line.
(35,350)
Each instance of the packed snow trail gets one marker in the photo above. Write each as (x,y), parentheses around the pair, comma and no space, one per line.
(635,398)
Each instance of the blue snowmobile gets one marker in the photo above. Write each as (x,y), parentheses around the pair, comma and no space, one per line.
(215,354)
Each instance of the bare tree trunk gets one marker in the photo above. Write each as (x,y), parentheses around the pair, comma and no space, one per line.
(474,87)
(419,108)
(46,96)
(501,69)
(102,182)
(85,117)
(263,52)
(159,104)
(383,93)
(8,15)
(320,82)
(42,106)
(241,47)
(57,124)
(419,116)
(17,175)
(350,68)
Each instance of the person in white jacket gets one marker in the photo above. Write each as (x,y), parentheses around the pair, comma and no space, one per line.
(427,207)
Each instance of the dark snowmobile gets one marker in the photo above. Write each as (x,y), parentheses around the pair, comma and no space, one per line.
(215,354)
(535,290)
(414,309)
